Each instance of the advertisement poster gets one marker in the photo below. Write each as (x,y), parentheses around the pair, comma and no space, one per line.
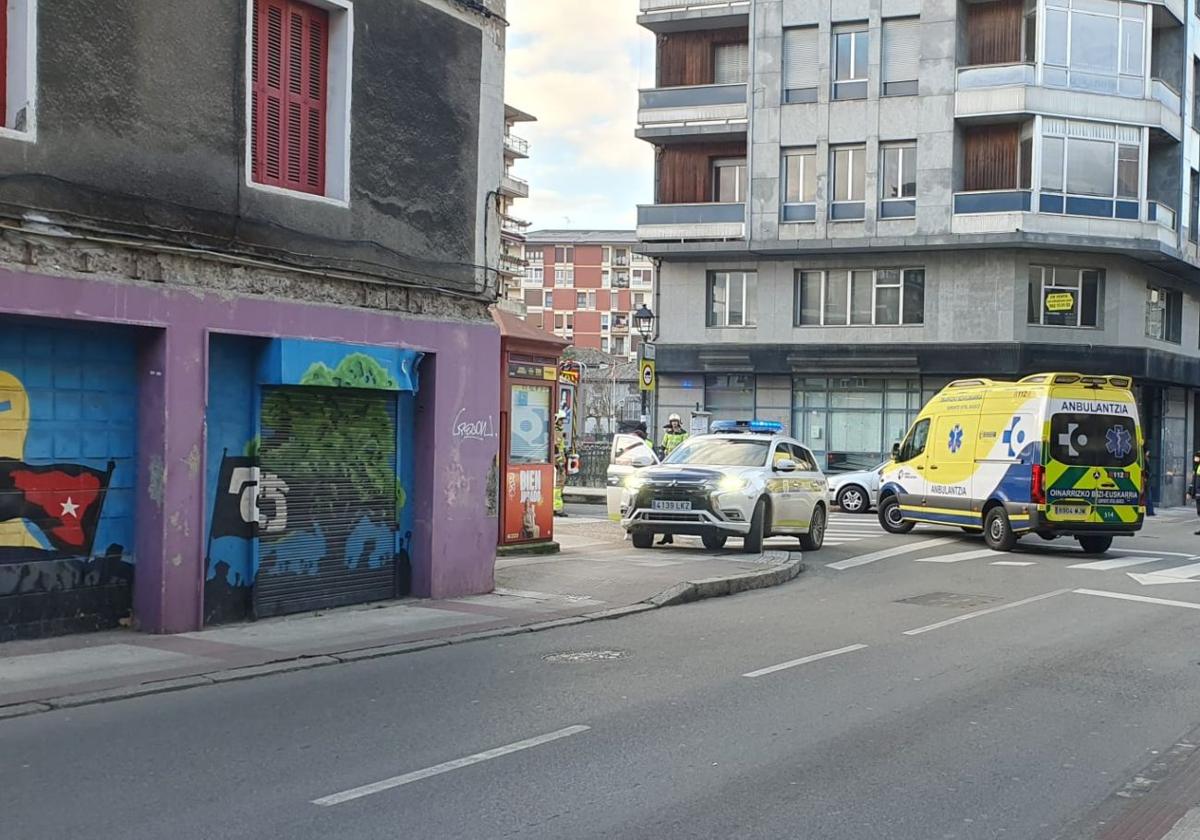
(529,436)
(529,503)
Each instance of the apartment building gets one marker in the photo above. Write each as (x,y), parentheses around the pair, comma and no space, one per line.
(858,201)
(512,188)
(238,240)
(585,285)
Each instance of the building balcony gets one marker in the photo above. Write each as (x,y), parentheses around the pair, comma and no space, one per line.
(1055,214)
(716,112)
(685,15)
(512,265)
(514,227)
(517,147)
(514,187)
(691,222)
(986,93)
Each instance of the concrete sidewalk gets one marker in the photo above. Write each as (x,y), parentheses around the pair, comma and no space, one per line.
(598,575)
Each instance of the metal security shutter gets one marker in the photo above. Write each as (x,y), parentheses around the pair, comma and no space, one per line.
(901,50)
(732,63)
(800,62)
(327,499)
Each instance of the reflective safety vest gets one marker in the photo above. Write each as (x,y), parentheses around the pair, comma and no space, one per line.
(671,440)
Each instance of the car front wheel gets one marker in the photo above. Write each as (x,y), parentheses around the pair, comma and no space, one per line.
(714,541)
(853,499)
(752,542)
(642,539)
(891,518)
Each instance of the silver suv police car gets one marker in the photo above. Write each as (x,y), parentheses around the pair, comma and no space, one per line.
(743,479)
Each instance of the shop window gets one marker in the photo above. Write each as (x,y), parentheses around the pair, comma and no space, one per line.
(1065,297)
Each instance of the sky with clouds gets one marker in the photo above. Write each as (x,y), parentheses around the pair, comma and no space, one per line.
(577,65)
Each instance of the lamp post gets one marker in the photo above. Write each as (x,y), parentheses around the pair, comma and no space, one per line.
(643,321)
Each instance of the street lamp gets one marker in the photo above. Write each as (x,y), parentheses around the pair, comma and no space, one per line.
(643,321)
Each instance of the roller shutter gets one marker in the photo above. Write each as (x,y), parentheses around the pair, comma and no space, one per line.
(327,499)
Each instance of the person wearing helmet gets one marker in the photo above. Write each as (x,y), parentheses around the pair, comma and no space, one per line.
(673,435)
(560,461)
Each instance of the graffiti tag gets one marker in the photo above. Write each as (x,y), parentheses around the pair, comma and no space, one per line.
(480,429)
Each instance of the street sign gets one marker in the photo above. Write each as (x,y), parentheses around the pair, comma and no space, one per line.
(646,351)
(646,377)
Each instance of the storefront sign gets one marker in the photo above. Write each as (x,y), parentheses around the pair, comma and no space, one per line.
(532,370)
(528,503)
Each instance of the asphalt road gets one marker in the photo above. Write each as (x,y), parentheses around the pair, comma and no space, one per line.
(923,694)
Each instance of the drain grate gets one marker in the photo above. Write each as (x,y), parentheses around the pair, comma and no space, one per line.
(954,600)
(575,656)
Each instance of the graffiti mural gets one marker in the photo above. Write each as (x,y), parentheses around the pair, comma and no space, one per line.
(308,493)
(66,476)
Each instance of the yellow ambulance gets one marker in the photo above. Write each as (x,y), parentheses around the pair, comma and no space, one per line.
(1056,454)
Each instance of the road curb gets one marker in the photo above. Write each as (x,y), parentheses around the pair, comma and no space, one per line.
(784,566)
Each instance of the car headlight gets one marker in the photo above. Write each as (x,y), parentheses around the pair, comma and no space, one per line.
(634,482)
(731,484)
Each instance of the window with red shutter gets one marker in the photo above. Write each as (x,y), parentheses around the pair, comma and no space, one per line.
(290,45)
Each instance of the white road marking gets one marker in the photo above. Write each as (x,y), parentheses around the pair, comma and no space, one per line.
(762,672)
(1013,563)
(446,767)
(1176,574)
(1117,563)
(896,551)
(957,558)
(959,618)
(1142,599)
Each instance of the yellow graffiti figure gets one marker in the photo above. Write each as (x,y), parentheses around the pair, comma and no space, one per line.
(14,426)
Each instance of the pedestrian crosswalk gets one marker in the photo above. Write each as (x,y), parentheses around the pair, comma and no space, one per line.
(842,528)
(1151,566)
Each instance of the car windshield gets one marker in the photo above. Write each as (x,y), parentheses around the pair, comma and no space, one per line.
(721,452)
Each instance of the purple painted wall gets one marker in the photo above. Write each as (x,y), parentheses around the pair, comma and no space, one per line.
(454,529)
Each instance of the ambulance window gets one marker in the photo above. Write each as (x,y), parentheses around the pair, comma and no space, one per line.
(1093,440)
(914,444)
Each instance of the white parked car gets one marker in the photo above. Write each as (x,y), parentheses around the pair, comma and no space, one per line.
(629,453)
(856,492)
(744,479)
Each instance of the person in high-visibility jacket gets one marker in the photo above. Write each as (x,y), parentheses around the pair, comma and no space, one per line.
(560,462)
(673,435)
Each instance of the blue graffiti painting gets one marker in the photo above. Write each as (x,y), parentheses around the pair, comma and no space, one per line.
(956,438)
(1118,441)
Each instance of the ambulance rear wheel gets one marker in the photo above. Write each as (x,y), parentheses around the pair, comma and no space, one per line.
(1095,545)
(891,518)
(997,530)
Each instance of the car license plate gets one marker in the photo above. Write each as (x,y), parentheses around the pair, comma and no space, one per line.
(659,504)
(1071,511)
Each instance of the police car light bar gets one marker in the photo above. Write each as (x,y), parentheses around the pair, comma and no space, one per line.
(765,426)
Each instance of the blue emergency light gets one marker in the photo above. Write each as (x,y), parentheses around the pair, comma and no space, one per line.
(770,427)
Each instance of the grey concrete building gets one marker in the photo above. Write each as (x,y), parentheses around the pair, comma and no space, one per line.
(857,201)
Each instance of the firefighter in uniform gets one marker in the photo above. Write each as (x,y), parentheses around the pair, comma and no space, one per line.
(560,462)
(672,437)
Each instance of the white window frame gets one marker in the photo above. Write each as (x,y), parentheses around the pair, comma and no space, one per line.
(547,299)
(338,88)
(1075,130)
(1166,293)
(905,148)
(808,156)
(604,344)
(741,184)
(1147,24)
(902,271)
(749,319)
(605,321)
(535,254)
(564,276)
(605,278)
(20,74)
(855,32)
(1049,278)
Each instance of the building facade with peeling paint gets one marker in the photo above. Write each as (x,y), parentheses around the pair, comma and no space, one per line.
(243,305)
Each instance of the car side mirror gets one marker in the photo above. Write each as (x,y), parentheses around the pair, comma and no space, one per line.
(895,452)
(640,461)
(786,465)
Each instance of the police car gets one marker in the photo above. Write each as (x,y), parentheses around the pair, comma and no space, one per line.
(743,479)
